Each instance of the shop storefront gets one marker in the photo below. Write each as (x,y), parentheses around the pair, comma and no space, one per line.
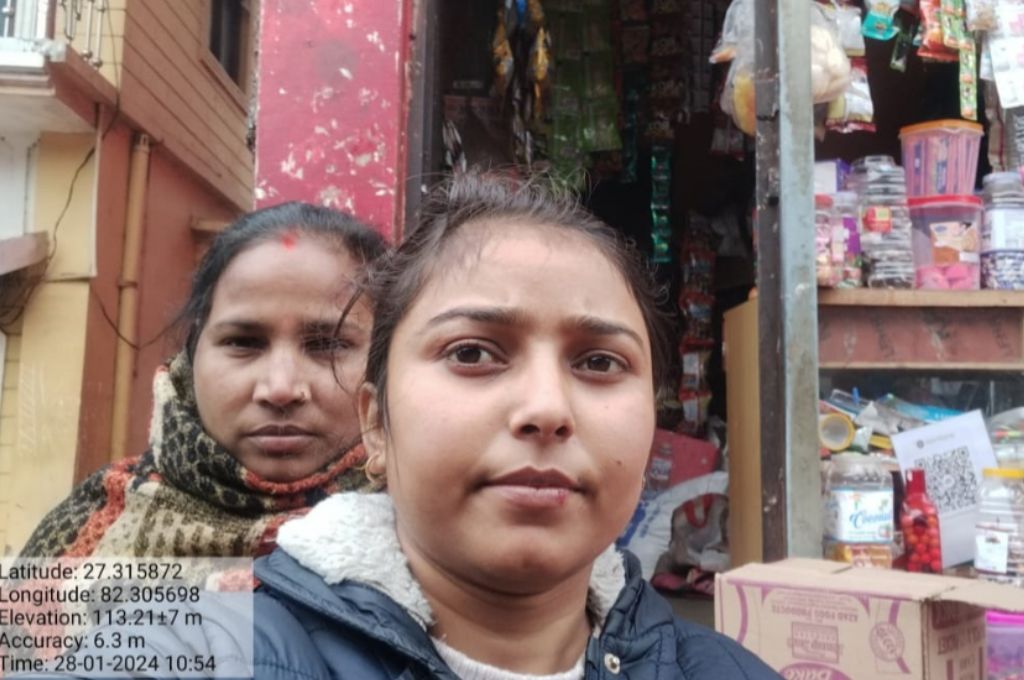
(831,193)
(834,217)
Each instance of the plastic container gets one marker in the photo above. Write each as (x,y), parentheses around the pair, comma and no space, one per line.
(1006,430)
(659,471)
(1002,233)
(941,157)
(919,522)
(999,535)
(829,243)
(947,242)
(1005,646)
(884,221)
(846,211)
(858,511)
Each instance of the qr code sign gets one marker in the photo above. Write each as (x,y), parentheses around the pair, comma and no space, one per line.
(951,480)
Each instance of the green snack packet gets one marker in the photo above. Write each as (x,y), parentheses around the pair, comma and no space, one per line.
(879,19)
(969,79)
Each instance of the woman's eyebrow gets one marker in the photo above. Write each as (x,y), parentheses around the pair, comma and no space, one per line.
(502,316)
(329,327)
(499,316)
(239,326)
(602,327)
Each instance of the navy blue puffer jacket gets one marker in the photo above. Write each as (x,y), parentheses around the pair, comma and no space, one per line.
(329,622)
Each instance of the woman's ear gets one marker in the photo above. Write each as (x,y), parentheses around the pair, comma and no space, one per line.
(370,422)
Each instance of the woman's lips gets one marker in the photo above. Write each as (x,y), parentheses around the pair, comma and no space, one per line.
(281,440)
(533,498)
(533,489)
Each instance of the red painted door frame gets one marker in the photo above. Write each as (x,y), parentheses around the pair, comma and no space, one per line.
(333,105)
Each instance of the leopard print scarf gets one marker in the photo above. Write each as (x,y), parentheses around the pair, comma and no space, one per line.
(185,496)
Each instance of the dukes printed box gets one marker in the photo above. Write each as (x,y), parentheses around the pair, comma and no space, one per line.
(818,620)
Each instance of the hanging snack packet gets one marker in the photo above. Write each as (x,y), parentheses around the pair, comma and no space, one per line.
(848,23)
(931,25)
(878,24)
(981,15)
(969,80)
(933,43)
(535,13)
(854,111)
(904,42)
(540,72)
(830,67)
(951,14)
(695,367)
(737,27)
(695,411)
(501,54)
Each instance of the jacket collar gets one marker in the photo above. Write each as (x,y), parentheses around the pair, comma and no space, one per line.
(351,537)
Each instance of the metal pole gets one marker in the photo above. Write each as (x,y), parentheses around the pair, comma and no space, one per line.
(786,281)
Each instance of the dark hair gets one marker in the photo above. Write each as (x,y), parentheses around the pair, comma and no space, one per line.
(397,280)
(336,229)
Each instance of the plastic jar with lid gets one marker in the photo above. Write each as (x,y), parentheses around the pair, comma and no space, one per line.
(1002,233)
(999,534)
(829,244)
(859,512)
(846,212)
(1003,188)
(884,218)
(947,242)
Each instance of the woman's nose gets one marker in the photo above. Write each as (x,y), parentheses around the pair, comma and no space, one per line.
(543,405)
(282,383)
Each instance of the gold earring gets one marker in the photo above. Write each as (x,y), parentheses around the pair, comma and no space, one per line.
(376,472)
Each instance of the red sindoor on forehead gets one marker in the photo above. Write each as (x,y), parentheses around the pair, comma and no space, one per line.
(289,239)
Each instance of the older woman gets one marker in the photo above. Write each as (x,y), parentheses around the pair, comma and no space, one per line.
(254,419)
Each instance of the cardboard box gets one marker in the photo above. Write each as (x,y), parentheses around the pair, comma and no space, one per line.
(818,620)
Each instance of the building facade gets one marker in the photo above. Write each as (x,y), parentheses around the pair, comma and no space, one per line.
(123,146)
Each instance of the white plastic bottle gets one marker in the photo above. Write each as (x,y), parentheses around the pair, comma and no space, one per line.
(859,511)
(659,472)
(999,536)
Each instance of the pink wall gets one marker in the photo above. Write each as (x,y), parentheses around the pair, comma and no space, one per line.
(332,105)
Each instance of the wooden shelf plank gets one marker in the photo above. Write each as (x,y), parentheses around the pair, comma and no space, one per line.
(867,297)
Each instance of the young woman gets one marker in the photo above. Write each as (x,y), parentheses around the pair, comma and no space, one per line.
(509,407)
(254,420)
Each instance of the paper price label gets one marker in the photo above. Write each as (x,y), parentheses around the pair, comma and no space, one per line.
(992,552)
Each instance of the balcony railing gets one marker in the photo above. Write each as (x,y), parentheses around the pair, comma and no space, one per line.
(84,27)
(6,18)
(80,21)
(25,19)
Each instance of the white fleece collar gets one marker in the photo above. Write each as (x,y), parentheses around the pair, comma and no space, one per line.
(351,537)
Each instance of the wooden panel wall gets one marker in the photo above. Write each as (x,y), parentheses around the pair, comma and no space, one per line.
(172,87)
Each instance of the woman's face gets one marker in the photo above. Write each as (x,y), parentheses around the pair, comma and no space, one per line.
(521,410)
(274,378)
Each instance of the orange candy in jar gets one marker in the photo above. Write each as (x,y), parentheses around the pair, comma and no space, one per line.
(919,522)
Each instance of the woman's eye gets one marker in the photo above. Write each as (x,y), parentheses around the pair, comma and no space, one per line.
(242,342)
(470,355)
(602,363)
